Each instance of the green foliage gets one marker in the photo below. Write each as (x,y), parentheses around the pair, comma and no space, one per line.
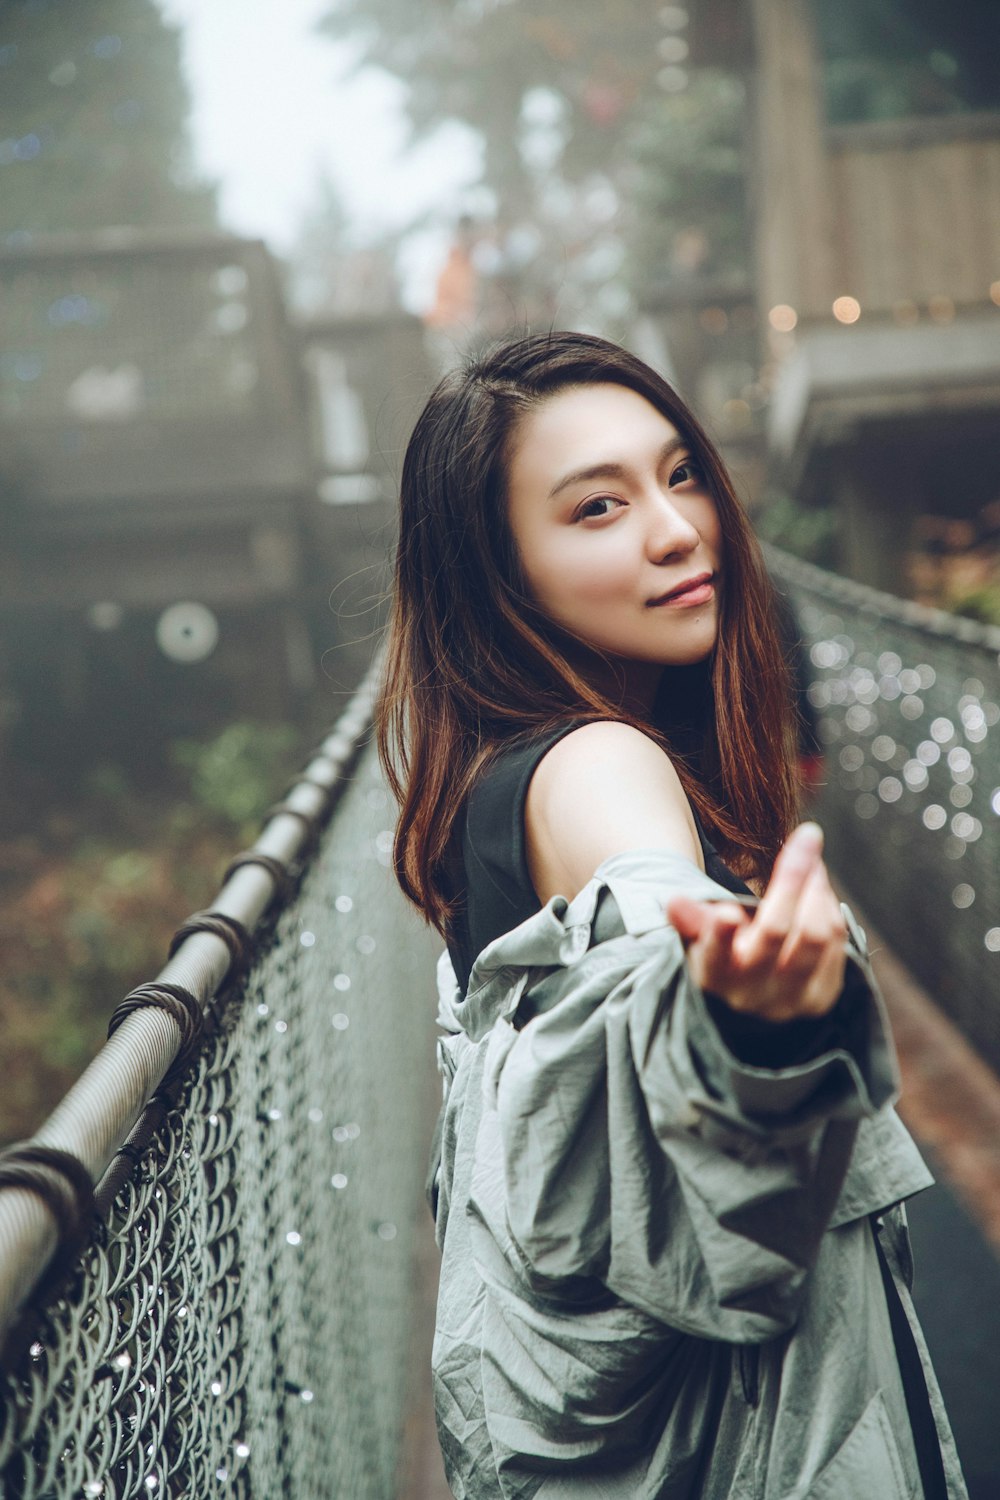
(890,59)
(93,112)
(567,98)
(233,776)
(688,180)
(981,604)
(93,894)
(809,532)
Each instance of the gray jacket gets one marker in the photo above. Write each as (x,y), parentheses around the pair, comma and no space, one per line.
(658,1273)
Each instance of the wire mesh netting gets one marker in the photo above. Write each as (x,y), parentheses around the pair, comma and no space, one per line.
(909,712)
(125,338)
(240,1326)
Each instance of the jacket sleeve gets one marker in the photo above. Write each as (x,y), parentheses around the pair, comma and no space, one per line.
(635,1148)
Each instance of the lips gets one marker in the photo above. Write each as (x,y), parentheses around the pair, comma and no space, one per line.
(696,590)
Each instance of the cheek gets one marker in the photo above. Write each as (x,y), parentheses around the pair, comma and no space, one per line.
(567,575)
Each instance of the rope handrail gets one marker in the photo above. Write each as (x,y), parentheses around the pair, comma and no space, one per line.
(113,1110)
(833,586)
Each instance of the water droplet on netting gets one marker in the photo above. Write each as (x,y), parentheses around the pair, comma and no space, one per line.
(889,688)
(182,1311)
(934,816)
(242,1450)
(281,1027)
(338,1180)
(263,1010)
(975,733)
(992,940)
(852,757)
(93,1488)
(342,982)
(883,747)
(818,694)
(909,680)
(866,806)
(222,1474)
(386,1231)
(341,1133)
(123,1360)
(915,775)
(365,944)
(927,675)
(954,848)
(890,663)
(960,795)
(274,1114)
(973,687)
(151,1482)
(37,1350)
(963,896)
(928,753)
(911,708)
(293,1237)
(213,1119)
(959,759)
(890,789)
(339,1021)
(344,903)
(216,1387)
(991,713)
(942,730)
(315,1116)
(859,719)
(306,1396)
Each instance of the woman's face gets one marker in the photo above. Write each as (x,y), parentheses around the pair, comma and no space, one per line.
(617,532)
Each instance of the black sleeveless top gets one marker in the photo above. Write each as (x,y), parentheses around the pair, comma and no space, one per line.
(491,877)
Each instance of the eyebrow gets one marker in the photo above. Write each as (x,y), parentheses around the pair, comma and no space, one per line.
(612,470)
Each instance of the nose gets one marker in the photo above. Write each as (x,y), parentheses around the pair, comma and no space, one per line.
(669,533)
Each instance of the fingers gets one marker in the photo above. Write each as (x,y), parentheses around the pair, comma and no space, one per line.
(778,912)
(714,958)
(819,924)
(687,916)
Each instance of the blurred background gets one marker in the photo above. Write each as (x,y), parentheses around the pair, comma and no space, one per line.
(239,243)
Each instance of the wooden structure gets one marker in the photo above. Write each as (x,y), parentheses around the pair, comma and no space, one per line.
(187,479)
(876,279)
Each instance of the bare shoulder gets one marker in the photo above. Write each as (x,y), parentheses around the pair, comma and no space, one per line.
(602,789)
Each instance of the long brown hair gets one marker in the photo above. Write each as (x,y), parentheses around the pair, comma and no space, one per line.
(471,662)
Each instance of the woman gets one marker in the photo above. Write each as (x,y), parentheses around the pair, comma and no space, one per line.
(668,1168)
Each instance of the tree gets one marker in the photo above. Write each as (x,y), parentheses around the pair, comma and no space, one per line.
(608,160)
(93,111)
(554,89)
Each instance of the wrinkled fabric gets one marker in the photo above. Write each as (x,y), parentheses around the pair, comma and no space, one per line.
(658,1275)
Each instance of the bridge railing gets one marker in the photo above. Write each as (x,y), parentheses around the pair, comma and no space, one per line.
(908,700)
(235,1318)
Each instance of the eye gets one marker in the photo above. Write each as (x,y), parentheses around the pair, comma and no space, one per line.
(687,472)
(596,507)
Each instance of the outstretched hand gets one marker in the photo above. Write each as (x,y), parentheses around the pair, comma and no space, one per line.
(784,960)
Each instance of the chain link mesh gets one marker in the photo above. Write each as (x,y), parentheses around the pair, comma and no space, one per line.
(909,712)
(240,1325)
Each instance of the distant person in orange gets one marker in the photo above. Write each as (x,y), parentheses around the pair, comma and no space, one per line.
(456,297)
